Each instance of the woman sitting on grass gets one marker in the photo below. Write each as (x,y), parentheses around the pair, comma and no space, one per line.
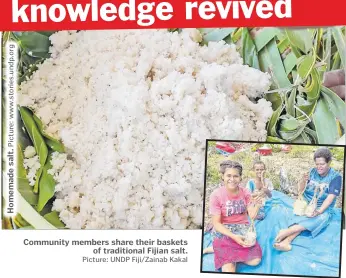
(324,182)
(260,188)
(229,207)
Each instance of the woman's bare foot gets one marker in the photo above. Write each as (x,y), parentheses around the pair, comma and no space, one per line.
(283,246)
(208,250)
(282,234)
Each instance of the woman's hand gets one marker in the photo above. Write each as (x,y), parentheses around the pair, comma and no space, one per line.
(326,203)
(262,179)
(305,178)
(255,194)
(302,183)
(256,203)
(257,197)
(316,213)
(253,203)
(265,192)
(258,200)
(219,227)
(252,210)
(240,240)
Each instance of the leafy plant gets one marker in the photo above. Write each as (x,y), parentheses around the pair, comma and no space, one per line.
(338,153)
(296,59)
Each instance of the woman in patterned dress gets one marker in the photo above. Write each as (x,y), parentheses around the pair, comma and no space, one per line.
(230,209)
(324,180)
(260,188)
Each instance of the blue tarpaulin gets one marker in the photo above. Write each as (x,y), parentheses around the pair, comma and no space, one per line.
(319,256)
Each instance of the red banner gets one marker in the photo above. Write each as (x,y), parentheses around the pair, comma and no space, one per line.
(21,15)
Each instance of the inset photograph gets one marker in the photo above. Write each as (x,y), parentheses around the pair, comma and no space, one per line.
(273,208)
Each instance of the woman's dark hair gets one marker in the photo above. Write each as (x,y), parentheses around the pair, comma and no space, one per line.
(323,153)
(258,162)
(230,164)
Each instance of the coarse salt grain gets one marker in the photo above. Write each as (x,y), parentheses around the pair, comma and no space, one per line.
(32,165)
(29,152)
